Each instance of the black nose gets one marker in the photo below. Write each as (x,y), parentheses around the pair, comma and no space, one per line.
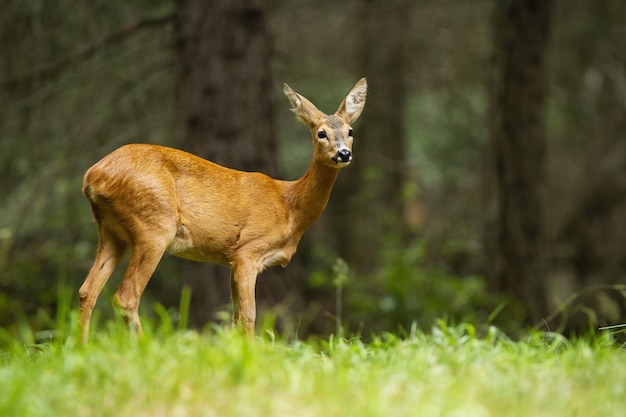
(344,155)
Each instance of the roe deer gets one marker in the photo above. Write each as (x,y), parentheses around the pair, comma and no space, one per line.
(152,199)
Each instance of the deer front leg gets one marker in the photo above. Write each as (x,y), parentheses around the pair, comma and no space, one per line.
(242,285)
(234,296)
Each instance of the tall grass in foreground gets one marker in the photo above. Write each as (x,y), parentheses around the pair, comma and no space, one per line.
(450,372)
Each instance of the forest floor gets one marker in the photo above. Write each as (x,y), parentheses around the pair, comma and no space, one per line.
(449,372)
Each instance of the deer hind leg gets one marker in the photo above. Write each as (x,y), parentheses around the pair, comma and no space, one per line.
(143,261)
(242,284)
(110,250)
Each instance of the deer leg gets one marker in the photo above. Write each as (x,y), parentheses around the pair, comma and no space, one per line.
(110,250)
(243,283)
(143,262)
(234,295)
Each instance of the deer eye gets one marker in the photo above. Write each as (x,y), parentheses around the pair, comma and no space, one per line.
(322,134)
(350,133)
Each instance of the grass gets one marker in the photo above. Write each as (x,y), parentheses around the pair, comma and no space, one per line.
(450,372)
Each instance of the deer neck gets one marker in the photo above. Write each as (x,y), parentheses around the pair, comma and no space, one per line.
(308,196)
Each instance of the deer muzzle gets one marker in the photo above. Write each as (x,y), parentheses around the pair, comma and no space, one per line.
(342,155)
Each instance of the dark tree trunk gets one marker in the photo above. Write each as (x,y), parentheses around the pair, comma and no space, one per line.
(225,83)
(224,99)
(517,238)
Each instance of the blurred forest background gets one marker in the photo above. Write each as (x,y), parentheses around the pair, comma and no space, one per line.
(488,185)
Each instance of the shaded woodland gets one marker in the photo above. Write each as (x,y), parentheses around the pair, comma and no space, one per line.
(489,174)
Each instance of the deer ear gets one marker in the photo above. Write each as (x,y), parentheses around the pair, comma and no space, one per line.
(304,109)
(352,106)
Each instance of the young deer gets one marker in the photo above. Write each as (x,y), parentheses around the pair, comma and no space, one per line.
(151,199)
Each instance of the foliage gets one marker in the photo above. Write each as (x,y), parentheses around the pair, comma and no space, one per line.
(410,288)
(449,372)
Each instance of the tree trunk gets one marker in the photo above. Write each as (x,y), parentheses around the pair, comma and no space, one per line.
(225,84)
(225,104)
(517,241)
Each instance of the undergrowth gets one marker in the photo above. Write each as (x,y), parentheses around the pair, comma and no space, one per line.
(448,371)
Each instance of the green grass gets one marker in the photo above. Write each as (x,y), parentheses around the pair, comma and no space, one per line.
(450,372)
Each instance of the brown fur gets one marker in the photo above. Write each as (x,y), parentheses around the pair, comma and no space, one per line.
(151,199)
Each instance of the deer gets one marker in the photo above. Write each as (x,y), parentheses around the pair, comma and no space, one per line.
(149,199)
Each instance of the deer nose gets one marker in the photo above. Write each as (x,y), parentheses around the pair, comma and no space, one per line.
(343,155)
